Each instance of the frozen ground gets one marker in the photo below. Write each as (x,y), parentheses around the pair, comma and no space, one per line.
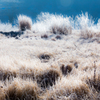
(56,61)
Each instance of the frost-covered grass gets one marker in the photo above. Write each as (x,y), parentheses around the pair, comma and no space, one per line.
(24,22)
(51,68)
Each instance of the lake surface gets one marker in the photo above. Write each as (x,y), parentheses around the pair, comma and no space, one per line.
(10,9)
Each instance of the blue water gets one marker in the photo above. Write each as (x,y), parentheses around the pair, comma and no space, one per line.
(10,9)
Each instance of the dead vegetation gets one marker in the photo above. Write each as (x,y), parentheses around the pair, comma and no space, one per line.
(42,69)
(24,22)
(61,30)
(21,90)
(90,34)
(47,79)
(55,72)
(66,88)
(66,69)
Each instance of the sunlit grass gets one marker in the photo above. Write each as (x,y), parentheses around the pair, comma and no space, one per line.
(60,63)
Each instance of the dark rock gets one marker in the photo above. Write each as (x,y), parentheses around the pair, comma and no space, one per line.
(44,56)
(26,36)
(1,32)
(44,36)
(16,38)
(1,86)
(58,37)
(53,39)
(76,64)
(33,31)
(12,33)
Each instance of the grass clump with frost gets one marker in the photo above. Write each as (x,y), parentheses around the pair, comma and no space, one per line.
(61,30)
(22,90)
(24,22)
(33,68)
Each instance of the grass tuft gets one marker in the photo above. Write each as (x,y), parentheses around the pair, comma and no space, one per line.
(90,34)
(7,75)
(66,69)
(24,22)
(61,30)
(86,34)
(66,88)
(48,78)
(21,90)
